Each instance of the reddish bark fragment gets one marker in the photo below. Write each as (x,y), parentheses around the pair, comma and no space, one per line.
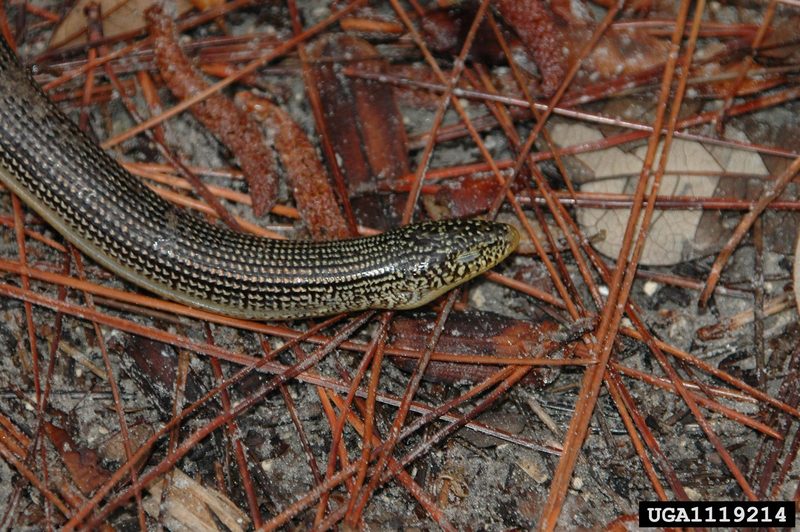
(477,333)
(370,138)
(382,130)
(542,34)
(339,116)
(82,463)
(468,196)
(217,113)
(445,29)
(307,177)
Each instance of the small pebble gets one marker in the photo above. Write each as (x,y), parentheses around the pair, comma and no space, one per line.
(650,287)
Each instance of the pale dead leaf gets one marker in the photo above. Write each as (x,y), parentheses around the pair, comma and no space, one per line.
(534,467)
(190,506)
(675,235)
(119,16)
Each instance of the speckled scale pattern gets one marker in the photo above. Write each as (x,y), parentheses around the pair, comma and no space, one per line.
(112,216)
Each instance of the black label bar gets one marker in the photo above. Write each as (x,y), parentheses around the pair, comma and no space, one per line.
(717,513)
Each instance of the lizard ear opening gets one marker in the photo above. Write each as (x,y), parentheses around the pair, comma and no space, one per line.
(467,257)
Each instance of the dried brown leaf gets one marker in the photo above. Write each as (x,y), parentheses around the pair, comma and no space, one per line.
(624,52)
(82,463)
(543,34)
(476,333)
